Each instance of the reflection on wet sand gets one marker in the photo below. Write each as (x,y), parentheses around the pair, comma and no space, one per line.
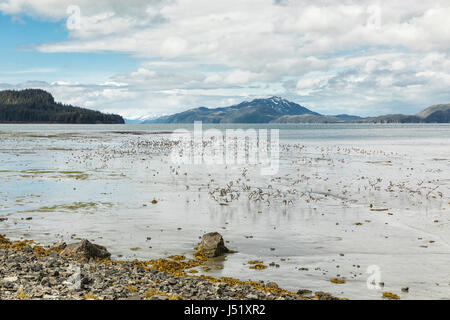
(336,208)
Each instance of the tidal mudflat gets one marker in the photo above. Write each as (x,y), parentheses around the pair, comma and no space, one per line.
(347,199)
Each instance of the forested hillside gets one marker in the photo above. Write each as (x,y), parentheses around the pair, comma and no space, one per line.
(39,106)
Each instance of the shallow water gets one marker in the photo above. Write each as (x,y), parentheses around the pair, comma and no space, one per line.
(318,218)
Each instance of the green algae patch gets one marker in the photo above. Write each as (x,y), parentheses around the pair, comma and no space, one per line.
(37,171)
(48,173)
(34,173)
(21,201)
(387,162)
(76,206)
(76,175)
(40,136)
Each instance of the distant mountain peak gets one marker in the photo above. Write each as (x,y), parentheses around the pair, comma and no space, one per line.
(260,110)
(435,108)
(279,100)
(276,99)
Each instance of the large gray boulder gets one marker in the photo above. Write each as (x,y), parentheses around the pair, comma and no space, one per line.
(212,245)
(85,251)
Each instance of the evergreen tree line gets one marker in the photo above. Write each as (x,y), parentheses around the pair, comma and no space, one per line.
(35,105)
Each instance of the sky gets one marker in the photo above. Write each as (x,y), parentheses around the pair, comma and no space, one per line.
(149,58)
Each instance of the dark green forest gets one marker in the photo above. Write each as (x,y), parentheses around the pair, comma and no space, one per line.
(39,106)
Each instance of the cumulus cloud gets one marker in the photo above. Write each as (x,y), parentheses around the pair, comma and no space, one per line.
(364,56)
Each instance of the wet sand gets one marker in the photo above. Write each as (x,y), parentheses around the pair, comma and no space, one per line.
(337,206)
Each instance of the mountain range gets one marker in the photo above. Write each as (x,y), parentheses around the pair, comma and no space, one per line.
(279,110)
(39,106)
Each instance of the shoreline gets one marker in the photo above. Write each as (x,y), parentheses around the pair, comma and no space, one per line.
(85,123)
(29,272)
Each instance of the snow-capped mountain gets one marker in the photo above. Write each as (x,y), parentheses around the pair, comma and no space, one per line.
(255,111)
(141,119)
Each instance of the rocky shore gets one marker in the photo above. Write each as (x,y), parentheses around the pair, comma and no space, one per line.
(85,271)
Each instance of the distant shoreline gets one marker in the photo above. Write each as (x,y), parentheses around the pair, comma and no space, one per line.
(2,122)
(234,124)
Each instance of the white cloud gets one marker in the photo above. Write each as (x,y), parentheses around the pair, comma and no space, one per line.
(214,79)
(336,55)
(239,77)
(311,83)
(173,47)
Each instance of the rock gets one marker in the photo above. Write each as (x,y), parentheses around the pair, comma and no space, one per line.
(36,267)
(53,254)
(157,297)
(324,296)
(272,285)
(59,246)
(28,249)
(212,245)
(10,279)
(252,296)
(85,251)
(133,297)
(302,292)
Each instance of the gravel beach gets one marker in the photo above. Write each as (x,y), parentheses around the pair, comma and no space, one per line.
(30,271)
